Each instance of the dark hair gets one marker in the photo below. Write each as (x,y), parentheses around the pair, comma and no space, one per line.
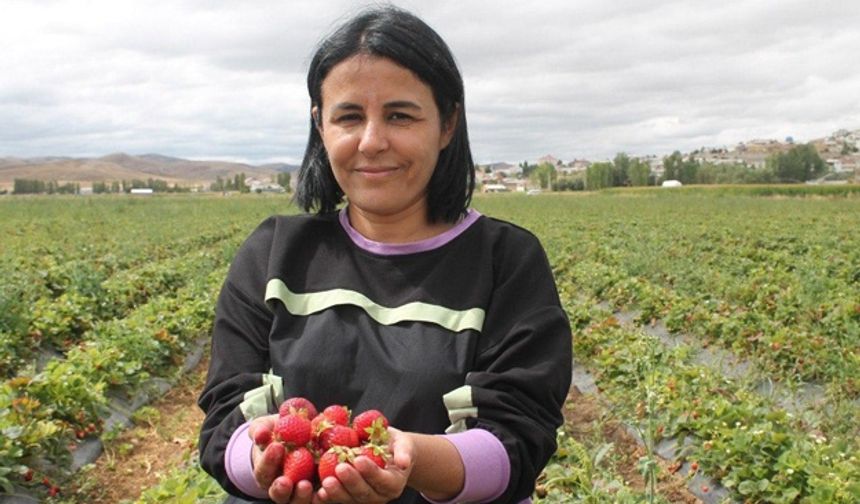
(398,35)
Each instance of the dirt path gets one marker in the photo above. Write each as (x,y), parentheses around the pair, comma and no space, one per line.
(588,420)
(163,436)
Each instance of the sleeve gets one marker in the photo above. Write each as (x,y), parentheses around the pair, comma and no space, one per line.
(522,372)
(238,387)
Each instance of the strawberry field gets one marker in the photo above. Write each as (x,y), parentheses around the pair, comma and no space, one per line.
(722,328)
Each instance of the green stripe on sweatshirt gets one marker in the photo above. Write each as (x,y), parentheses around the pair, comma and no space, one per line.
(314,302)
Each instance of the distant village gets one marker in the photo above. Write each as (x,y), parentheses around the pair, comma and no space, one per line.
(840,151)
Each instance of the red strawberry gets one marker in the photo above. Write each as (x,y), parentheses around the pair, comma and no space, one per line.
(299,465)
(339,435)
(337,414)
(371,425)
(53,491)
(330,459)
(298,406)
(293,431)
(28,474)
(375,453)
(319,424)
(262,437)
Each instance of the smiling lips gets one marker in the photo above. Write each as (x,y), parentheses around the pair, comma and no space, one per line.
(376,171)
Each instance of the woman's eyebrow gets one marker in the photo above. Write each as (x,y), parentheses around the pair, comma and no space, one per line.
(403,104)
(392,104)
(347,106)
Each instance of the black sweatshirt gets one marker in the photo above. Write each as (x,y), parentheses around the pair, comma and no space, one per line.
(306,311)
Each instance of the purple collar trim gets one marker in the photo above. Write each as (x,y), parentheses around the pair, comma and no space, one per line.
(412,247)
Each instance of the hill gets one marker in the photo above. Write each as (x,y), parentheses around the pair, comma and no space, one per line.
(121,166)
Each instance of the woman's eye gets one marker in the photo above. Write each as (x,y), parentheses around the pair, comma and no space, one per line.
(347,118)
(400,117)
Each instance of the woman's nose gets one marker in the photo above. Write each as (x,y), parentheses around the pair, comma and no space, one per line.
(373,139)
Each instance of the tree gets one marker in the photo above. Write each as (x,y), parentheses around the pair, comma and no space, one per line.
(639,172)
(799,164)
(544,175)
(598,176)
(689,168)
(621,170)
(672,166)
(283,180)
(527,169)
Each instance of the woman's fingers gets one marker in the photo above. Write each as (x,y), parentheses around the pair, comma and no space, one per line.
(268,465)
(281,490)
(363,482)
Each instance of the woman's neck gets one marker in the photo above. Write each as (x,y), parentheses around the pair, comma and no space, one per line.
(406,227)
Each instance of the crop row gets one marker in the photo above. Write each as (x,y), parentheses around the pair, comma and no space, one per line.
(759,451)
(777,280)
(60,322)
(774,281)
(41,413)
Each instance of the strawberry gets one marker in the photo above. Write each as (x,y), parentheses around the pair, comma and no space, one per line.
(337,414)
(299,465)
(375,453)
(54,490)
(298,406)
(339,435)
(293,431)
(319,424)
(330,459)
(28,475)
(371,425)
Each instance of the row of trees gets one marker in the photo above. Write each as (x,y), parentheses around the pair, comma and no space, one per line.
(28,186)
(237,183)
(798,164)
(157,185)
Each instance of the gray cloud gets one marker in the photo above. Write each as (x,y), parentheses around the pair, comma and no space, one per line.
(575,79)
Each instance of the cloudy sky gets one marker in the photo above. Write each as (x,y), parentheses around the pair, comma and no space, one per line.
(210,79)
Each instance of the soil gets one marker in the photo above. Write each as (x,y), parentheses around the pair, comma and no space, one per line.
(161,439)
(588,420)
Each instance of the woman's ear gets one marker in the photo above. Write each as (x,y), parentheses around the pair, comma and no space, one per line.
(315,116)
(449,127)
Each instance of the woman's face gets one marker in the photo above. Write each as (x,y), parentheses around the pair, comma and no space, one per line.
(382,131)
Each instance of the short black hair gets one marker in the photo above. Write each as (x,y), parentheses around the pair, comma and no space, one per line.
(396,34)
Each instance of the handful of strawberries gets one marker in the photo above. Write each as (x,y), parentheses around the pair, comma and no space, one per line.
(316,443)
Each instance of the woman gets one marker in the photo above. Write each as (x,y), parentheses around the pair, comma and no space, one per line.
(406,300)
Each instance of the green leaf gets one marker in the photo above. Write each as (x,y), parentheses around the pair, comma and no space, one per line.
(789,494)
(747,487)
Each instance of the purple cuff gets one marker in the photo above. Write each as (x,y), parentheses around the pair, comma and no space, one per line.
(238,463)
(486,464)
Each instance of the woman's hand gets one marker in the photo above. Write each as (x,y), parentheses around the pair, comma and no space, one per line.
(364,482)
(268,466)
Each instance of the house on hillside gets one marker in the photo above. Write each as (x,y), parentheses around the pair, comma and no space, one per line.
(505,169)
(549,160)
(575,166)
